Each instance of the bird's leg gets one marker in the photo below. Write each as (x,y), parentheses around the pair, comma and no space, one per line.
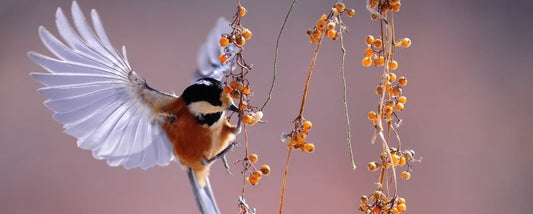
(220,154)
(226,166)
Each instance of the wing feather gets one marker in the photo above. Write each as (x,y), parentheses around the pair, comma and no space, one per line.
(208,63)
(98,98)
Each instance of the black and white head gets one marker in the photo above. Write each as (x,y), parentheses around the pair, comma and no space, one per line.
(206,101)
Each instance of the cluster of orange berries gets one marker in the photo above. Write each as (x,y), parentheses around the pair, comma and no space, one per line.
(398,158)
(379,203)
(297,139)
(236,89)
(330,24)
(238,36)
(395,101)
(257,174)
(384,5)
(375,48)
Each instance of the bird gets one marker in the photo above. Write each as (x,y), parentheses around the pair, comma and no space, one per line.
(111,110)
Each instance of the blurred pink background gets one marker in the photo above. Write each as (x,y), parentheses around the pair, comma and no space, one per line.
(469,92)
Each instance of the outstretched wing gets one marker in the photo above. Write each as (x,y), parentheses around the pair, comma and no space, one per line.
(98,97)
(208,63)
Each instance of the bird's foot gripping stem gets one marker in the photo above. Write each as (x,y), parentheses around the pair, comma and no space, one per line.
(222,155)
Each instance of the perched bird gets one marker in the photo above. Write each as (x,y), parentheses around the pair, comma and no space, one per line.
(112,111)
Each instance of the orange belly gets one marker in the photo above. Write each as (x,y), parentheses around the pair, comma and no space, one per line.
(193,142)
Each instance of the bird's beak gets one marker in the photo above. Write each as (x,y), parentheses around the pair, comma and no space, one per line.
(234,108)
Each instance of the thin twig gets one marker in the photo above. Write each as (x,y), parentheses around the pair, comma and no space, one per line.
(284,183)
(308,81)
(276,56)
(348,129)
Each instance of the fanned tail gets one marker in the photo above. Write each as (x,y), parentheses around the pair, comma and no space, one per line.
(203,196)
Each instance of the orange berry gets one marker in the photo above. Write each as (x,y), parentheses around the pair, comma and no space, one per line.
(334,10)
(378,43)
(401,200)
(233,84)
(369,39)
(246,33)
(265,169)
(247,119)
(369,52)
(364,199)
(307,125)
(331,33)
(257,174)
(393,2)
(379,89)
(366,61)
(406,175)
(402,207)
(393,65)
(402,161)
(373,3)
(222,58)
(253,180)
(399,106)
(372,166)
(395,159)
(402,99)
(293,142)
(240,41)
(406,42)
(394,210)
(381,61)
(242,11)
(396,7)
(300,138)
(317,33)
(402,81)
(253,158)
(224,41)
(313,40)
(253,121)
(376,210)
(309,147)
(320,24)
(351,13)
(372,115)
(340,7)
(392,77)
(331,25)
(246,90)
(388,110)
(323,17)
(227,89)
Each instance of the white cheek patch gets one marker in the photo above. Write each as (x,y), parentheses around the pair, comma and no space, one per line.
(203,107)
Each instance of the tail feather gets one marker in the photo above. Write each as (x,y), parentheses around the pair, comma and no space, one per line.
(203,196)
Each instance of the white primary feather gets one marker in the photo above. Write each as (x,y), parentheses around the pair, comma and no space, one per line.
(91,91)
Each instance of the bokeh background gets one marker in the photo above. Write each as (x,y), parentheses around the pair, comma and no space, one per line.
(468,115)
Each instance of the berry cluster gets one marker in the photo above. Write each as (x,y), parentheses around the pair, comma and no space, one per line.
(253,176)
(374,52)
(297,139)
(380,53)
(380,203)
(397,158)
(384,6)
(330,25)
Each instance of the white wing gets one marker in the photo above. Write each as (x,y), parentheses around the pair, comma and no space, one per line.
(98,97)
(208,63)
